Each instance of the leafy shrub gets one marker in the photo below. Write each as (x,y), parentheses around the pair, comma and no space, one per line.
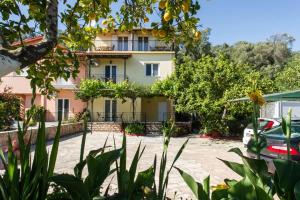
(9,108)
(175,131)
(135,128)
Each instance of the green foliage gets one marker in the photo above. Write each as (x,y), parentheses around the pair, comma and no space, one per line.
(30,180)
(288,78)
(135,128)
(9,108)
(204,87)
(201,191)
(268,57)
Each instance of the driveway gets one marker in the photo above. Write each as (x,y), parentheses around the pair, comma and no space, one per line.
(198,159)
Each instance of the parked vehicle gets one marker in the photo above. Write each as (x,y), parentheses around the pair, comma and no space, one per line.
(264,124)
(276,144)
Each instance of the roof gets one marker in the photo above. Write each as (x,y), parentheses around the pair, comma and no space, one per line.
(28,41)
(33,41)
(281,96)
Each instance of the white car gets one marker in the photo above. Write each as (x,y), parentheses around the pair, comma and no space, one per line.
(264,124)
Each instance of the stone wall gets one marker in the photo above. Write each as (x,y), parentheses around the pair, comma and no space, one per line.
(106,126)
(151,127)
(66,129)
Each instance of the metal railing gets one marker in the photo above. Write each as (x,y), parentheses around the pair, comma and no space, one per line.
(113,78)
(132,45)
(126,117)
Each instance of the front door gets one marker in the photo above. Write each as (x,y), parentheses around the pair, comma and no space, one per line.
(162,111)
(111,73)
(62,109)
(110,110)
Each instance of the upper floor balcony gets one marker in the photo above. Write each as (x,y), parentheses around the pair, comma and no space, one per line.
(127,44)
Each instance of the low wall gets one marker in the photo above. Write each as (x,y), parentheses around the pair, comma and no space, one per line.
(151,127)
(66,129)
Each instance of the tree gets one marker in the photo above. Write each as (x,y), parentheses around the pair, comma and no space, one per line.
(177,21)
(288,79)
(89,90)
(205,86)
(9,108)
(195,49)
(132,91)
(268,57)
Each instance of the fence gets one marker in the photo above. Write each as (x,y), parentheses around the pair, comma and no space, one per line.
(132,45)
(129,117)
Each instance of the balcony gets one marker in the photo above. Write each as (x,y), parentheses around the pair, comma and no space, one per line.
(106,78)
(132,45)
(61,83)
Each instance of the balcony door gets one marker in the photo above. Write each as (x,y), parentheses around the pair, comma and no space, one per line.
(62,109)
(122,43)
(143,43)
(111,73)
(110,110)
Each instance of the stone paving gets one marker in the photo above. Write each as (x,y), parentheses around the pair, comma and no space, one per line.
(198,159)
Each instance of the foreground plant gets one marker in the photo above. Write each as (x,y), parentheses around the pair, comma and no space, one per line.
(28,179)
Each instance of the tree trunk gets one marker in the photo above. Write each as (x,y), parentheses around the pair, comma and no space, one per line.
(11,60)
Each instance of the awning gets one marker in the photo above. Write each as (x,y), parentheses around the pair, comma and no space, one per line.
(282,96)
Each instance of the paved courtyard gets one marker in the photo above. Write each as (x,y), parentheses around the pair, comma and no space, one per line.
(199,158)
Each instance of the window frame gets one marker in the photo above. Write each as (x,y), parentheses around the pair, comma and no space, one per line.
(152,70)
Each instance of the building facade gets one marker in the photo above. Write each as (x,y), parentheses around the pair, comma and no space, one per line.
(134,56)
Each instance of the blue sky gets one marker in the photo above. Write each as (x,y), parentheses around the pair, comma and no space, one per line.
(250,20)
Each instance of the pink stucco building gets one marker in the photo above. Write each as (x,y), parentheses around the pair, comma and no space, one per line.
(63,106)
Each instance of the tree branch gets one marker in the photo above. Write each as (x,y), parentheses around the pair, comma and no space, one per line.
(11,60)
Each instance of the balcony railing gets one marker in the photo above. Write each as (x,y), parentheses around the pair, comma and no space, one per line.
(113,78)
(132,45)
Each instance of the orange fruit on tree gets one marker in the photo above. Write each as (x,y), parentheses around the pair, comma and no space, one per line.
(167,16)
(144,31)
(162,4)
(146,19)
(162,33)
(92,16)
(154,33)
(185,6)
(197,35)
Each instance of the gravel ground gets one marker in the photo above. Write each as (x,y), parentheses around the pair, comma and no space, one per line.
(198,159)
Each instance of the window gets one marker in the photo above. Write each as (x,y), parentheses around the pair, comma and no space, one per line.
(110,110)
(122,43)
(62,109)
(152,70)
(143,44)
(111,73)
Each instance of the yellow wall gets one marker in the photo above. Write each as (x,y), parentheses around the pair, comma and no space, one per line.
(126,107)
(150,107)
(136,66)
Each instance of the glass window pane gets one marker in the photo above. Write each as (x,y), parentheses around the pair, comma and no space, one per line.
(120,42)
(107,110)
(125,45)
(155,69)
(148,69)
(140,43)
(145,43)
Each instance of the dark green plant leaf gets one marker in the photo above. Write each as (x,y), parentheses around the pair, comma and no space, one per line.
(297,190)
(73,185)
(197,188)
